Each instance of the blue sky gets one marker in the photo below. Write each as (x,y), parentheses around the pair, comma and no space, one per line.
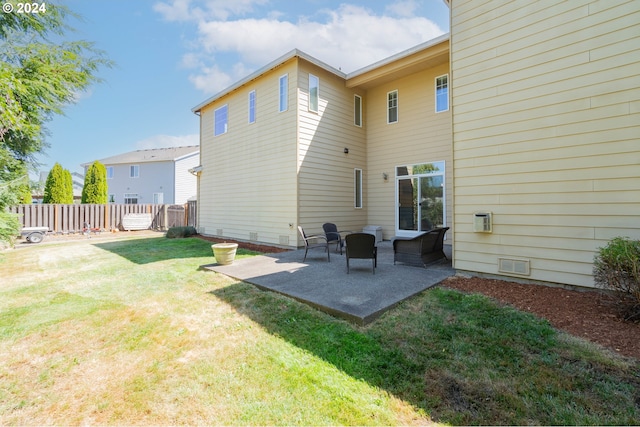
(171,55)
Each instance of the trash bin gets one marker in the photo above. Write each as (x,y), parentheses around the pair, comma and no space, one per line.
(376,230)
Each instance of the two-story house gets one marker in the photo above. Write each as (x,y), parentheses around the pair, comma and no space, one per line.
(520,130)
(156,176)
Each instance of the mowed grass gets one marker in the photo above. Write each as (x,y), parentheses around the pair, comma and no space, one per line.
(134,332)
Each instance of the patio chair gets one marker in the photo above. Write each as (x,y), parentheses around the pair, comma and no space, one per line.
(333,235)
(362,246)
(421,250)
(312,242)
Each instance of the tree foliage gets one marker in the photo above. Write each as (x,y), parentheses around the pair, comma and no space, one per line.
(59,186)
(95,184)
(41,71)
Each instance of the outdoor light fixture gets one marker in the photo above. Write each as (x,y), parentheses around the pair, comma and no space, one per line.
(385,176)
(346,150)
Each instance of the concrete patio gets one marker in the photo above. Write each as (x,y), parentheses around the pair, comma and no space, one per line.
(359,297)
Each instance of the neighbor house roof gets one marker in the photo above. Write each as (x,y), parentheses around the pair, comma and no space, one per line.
(151,155)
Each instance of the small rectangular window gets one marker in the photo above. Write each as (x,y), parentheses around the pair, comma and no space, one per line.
(252,106)
(392,107)
(109,172)
(442,93)
(314,93)
(357,110)
(134,171)
(158,198)
(130,198)
(220,117)
(284,93)
(112,198)
(357,181)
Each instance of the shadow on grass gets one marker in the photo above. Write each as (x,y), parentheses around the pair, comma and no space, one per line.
(460,359)
(155,249)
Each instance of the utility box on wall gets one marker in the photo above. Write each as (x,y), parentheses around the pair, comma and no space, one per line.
(482,222)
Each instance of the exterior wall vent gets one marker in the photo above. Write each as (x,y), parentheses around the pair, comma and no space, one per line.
(514,266)
(219,232)
(482,222)
(253,236)
(284,240)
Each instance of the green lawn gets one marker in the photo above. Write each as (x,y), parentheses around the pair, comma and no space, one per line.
(134,332)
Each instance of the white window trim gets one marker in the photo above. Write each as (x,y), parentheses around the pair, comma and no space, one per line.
(253,92)
(311,76)
(397,106)
(226,124)
(137,169)
(109,168)
(435,93)
(283,98)
(135,196)
(357,117)
(357,202)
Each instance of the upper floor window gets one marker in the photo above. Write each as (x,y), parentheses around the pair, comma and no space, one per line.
(109,172)
(314,95)
(392,106)
(284,92)
(252,106)
(442,93)
(357,110)
(220,117)
(134,171)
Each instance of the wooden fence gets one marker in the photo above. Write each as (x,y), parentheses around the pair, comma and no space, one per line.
(74,218)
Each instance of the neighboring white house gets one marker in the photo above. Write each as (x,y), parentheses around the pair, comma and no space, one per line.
(152,176)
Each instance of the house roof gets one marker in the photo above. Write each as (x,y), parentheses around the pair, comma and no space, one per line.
(151,155)
(295,53)
(405,61)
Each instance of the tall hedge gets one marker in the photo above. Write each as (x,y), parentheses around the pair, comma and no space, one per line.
(95,184)
(59,186)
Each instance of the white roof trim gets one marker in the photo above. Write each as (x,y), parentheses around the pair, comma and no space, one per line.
(397,56)
(284,58)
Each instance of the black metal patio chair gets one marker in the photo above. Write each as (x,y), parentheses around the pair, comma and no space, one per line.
(361,246)
(312,242)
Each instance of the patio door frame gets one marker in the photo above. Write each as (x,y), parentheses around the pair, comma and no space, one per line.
(417,172)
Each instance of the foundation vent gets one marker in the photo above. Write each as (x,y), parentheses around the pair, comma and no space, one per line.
(253,236)
(284,240)
(514,266)
(219,232)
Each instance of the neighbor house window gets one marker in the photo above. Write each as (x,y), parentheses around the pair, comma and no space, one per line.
(357,181)
(442,93)
(158,198)
(134,171)
(252,106)
(314,95)
(220,117)
(284,92)
(130,198)
(112,198)
(357,110)
(392,107)
(109,172)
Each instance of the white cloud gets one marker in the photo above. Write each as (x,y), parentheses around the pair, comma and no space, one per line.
(349,37)
(165,141)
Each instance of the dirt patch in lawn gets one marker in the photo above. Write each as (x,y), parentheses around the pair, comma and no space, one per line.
(589,314)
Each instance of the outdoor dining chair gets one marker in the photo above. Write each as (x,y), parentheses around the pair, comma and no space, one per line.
(361,246)
(333,235)
(312,242)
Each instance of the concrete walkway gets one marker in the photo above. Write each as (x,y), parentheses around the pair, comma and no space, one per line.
(360,296)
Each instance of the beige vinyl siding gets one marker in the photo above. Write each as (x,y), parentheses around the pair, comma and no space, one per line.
(248,183)
(419,136)
(325,172)
(546,126)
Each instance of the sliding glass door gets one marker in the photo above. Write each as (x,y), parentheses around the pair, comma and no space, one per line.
(420,198)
